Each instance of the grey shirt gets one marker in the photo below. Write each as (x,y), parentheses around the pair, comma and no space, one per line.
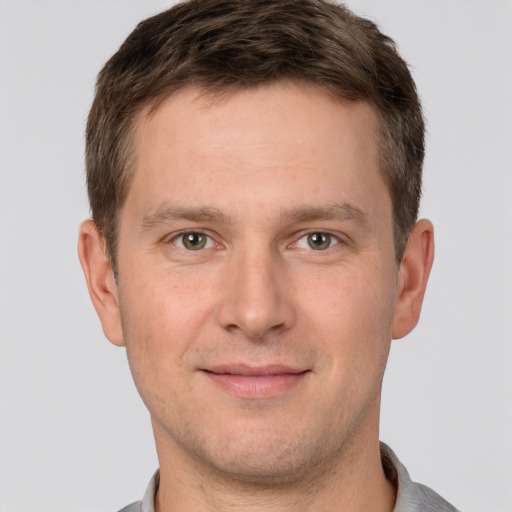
(411,497)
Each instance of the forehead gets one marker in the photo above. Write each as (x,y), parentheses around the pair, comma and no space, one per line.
(264,141)
(303,101)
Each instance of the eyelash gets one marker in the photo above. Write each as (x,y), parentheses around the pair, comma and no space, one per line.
(210,243)
(332,239)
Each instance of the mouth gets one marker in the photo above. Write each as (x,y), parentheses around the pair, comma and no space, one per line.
(256,382)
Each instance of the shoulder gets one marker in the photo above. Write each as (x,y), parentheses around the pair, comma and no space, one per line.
(147,504)
(134,507)
(426,499)
(411,496)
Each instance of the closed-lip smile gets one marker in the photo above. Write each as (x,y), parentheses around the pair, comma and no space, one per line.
(256,382)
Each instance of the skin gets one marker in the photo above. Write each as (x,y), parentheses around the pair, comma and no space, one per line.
(258,177)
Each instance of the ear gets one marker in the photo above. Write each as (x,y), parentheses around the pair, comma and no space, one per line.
(100,280)
(412,278)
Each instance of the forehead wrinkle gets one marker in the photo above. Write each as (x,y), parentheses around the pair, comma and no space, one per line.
(166,214)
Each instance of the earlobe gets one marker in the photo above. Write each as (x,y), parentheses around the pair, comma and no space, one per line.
(413,276)
(100,281)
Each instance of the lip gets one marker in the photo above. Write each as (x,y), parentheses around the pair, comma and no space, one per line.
(256,382)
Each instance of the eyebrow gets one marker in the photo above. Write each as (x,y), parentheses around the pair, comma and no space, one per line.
(341,212)
(338,211)
(169,213)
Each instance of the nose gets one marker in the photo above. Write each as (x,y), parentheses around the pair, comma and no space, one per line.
(255,300)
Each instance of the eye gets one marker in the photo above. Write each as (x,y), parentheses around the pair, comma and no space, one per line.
(193,241)
(318,241)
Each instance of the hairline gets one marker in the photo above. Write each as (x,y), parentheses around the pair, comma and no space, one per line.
(212,95)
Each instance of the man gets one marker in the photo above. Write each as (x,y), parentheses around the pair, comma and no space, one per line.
(254,173)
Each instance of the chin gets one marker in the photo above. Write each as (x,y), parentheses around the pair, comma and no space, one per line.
(262,469)
(264,458)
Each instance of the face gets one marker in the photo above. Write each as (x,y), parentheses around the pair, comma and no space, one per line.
(257,278)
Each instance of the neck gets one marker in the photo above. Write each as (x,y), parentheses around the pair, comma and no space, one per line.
(353,482)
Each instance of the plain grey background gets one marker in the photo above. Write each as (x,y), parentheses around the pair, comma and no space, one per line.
(74,435)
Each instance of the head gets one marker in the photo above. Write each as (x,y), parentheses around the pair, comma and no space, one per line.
(254,174)
(224,46)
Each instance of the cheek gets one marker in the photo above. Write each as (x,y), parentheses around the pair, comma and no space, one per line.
(166,303)
(162,319)
(354,315)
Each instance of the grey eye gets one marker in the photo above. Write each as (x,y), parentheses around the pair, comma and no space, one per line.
(319,241)
(193,241)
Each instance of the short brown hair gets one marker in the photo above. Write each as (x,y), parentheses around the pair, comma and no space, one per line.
(227,45)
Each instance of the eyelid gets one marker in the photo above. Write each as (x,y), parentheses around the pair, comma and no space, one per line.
(171,239)
(302,235)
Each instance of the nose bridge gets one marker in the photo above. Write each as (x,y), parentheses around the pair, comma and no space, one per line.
(255,300)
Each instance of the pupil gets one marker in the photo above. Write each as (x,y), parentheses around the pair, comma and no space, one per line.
(319,241)
(194,241)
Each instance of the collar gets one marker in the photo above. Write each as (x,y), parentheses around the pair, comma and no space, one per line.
(411,497)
